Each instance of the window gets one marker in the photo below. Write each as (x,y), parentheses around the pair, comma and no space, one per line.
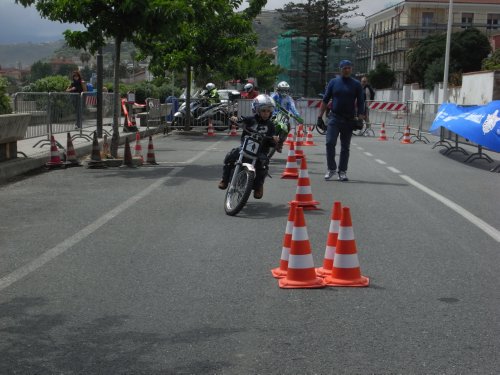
(493,21)
(427,19)
(467,19)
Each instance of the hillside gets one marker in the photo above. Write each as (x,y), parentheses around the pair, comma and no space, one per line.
(25,54)
(267,26)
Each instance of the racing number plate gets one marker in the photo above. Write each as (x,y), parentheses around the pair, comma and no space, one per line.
(251,147)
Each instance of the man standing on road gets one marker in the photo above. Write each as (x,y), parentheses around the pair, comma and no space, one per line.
(368,94)
(348,103)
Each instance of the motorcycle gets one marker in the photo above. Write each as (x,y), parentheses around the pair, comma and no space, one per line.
(244,173)
(202,111)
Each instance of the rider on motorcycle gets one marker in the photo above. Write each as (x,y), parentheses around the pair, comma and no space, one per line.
(249,92)
(283,99)
(212,95)
(262,123)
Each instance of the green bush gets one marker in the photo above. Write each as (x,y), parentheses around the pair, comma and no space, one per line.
(49,84)
(5,106)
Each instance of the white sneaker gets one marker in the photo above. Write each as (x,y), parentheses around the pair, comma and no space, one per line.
(329,174)
(343,176)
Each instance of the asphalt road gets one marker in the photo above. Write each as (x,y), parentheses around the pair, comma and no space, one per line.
(139,271)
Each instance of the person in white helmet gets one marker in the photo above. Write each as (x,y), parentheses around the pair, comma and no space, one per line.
(261,122)
(249,91)
(283,99)
(212,94)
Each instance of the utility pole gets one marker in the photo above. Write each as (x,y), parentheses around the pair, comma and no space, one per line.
(447,53)
(99,83)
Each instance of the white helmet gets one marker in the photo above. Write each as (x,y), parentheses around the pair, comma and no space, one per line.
(283,87)
(248,87)
(210,86)
(261,102)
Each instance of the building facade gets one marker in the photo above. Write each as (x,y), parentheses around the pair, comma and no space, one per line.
(390,33)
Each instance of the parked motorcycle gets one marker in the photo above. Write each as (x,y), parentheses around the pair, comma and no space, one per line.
(202,111)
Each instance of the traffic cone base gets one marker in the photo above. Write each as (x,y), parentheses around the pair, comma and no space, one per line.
(309,137)
(346,270)
(300,272)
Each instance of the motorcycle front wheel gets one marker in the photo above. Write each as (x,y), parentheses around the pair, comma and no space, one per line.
(237,195)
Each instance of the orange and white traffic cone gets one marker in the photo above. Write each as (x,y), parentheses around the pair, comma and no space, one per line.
(299,153)
(383,136)
(300,272)
(150,159)
(289,138)
(280,271)
(291,170)
(309,137)
(210,129)
(346,270)
(233,132)
(331,241)
(303,194)
(406,136)
(95,160)
(138,148)
(127,155)
(55,156)
(71,159)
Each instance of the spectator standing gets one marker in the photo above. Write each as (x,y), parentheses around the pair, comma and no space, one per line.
(348,102)
(368,94)
(249,92)
(77,86)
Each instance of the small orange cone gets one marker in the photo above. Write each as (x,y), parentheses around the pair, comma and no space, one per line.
(280,271)
(406,136)
(300,272)
(383,136)
(346,270)
(151,153)
(71,159)
(233,132)
(210,129)
(127,155)
(55,156)
(95,158)
(303,194)
(331,241)
(291,170)
(138,148)
(309,137)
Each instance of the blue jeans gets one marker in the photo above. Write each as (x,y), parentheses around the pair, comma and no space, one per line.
(338,126)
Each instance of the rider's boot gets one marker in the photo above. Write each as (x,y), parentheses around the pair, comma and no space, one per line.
(258,192)
(222,185)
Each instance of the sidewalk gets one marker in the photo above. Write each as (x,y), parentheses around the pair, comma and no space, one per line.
(37,150)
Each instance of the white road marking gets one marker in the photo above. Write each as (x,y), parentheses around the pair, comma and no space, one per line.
(394,170)
(380,161)
(71,241)
(368,154)
(485,227)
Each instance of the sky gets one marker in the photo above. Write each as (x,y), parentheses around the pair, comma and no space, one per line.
(22,25)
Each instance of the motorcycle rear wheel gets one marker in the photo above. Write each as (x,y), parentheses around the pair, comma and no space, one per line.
(238,194)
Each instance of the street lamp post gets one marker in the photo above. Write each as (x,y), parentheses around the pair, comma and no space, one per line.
(447,53)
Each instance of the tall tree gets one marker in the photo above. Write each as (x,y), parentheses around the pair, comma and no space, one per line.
(213,32)
(40,70)
(116,19)
(426,58)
